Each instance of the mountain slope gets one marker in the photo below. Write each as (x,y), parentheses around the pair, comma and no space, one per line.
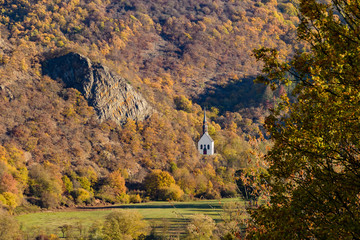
(54,147)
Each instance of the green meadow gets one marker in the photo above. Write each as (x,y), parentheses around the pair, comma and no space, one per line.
(169,217)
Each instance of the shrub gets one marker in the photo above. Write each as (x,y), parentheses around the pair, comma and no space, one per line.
(10,200)
(50,199)
(123,198)
(9,227)
(81,195)
(67,184)
(124,224)
(135,198)
(95,231)
(106,194)
(157,180)
(173,192)
(200,227)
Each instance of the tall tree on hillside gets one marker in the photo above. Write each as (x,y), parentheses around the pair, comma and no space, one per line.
(314,173)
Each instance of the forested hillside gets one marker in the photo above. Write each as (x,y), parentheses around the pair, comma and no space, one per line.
(181,55)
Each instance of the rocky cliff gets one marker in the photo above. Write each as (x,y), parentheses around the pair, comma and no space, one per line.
(110,95)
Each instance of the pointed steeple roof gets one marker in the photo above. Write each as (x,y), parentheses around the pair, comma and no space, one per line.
(204,115)
(205,126)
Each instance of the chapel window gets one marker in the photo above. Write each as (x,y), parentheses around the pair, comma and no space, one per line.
(208,146)
(201,147)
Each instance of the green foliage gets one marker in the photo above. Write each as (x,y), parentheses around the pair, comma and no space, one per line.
(124,224)
(314,173)
(84,183)
(123,198)
(173,167)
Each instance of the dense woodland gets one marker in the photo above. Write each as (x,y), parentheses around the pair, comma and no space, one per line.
(181,55)
(292,138)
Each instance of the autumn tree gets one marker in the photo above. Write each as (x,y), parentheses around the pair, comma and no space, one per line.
(114,188)
(314,173)
(124,224)
(13,177)
(45,184)
(117,182)
(250,183)
(182,103)
(161,185)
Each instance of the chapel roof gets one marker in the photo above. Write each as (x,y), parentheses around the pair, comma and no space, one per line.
(206,135)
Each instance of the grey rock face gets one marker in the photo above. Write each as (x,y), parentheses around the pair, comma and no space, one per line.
(110,95)
(6,93)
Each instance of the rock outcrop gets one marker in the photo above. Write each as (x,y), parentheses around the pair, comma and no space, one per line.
(110,95)
(6,94)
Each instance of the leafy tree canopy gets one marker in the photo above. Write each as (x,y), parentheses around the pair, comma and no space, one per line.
(314,164)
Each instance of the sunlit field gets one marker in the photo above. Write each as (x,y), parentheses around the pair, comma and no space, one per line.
(165,217)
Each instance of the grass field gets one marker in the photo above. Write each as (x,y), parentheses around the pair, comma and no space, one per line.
(170,217)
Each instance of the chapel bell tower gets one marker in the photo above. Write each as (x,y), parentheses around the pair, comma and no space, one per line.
(206,144)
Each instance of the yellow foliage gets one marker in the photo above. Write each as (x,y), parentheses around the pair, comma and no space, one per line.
(117,182)
(188,35)
(10,200)
(208,20)
(216,34)
(82,195)
(24,65)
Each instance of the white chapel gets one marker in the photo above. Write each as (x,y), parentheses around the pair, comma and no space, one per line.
(206,144)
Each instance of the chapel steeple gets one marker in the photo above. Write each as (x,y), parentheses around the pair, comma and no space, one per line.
(205,126)
(206,144)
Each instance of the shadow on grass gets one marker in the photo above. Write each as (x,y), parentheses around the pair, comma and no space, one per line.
(170,227)
(162,206)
